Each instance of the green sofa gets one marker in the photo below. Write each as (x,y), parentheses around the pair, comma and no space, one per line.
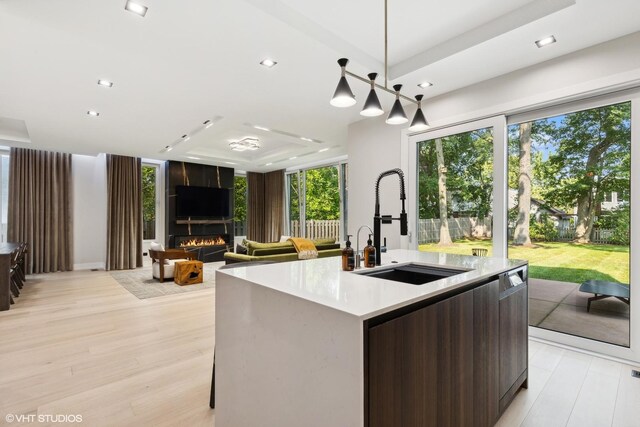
(280,251)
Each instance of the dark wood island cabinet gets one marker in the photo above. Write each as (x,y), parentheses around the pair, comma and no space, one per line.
(453,362)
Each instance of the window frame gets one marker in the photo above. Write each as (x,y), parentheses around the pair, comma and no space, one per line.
(302,187)
(159,229)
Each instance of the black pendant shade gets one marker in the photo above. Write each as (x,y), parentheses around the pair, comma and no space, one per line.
(343,96)
(372,106)
(397,115)
(419,122)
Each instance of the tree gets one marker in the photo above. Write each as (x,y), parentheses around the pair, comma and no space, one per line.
(322,193)
(240,198)
(468,159)
(148,201)
(445,237)
(592,158)
(521,234)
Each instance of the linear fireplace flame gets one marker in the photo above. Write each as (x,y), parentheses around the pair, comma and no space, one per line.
(202,242)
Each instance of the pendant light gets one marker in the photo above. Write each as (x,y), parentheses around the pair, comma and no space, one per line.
(397,115)
(343,97)
(419,122)
(372,105)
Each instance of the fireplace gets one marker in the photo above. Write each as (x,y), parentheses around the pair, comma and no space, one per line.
(208,248)
(198,241)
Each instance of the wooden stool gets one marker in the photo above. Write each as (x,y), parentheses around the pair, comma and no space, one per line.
(188,272)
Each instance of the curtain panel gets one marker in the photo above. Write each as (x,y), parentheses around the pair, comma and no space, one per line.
(41,208)
(124,216)
(265,206)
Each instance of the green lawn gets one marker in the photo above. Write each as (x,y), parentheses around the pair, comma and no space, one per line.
(561,261)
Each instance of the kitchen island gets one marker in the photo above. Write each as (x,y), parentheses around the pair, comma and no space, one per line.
(304,343)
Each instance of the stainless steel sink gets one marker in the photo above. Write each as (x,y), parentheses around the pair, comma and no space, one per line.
(414,274)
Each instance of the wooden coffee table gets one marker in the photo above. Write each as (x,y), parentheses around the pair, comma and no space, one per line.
(603,289)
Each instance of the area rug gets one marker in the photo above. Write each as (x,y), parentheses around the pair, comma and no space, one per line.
(142,285)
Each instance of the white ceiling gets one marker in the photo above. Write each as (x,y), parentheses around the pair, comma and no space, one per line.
(190,61)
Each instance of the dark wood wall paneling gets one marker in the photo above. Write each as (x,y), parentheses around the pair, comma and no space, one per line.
(183,173)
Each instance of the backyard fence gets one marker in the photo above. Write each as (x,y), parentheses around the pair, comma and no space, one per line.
(315,229)
(459,228)
(566,233)
(598,235)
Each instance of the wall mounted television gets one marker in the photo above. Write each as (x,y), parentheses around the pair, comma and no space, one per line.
(202,202)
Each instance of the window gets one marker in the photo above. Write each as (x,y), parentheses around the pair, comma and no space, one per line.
(240,205)
(4,196)
(455,192)
(565,222)
(150,200)
(316,202)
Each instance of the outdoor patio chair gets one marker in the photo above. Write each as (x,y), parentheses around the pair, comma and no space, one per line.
(603,289)
(479,251)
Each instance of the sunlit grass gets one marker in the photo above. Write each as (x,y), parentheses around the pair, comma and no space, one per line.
(563,261)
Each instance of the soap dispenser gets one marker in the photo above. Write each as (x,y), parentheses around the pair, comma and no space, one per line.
(348,256)
(369,254)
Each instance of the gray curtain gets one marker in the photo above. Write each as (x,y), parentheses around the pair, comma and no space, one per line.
(41,208)
(124,216)
(265,206)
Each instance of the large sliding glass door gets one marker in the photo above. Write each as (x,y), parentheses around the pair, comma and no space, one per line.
(554,187)
(456,180)
(570,217)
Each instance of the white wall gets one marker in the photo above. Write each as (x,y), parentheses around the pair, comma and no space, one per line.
(89,211)
(374,146)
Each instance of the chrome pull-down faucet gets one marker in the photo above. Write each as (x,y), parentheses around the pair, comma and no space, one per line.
(378,219)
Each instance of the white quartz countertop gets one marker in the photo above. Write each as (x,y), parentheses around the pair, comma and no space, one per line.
(322,280)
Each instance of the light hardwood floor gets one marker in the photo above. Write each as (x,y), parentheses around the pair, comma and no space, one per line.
(79,343)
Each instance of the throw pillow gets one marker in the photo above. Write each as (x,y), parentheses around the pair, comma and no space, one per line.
(284,238)
(155,246)
(241,249)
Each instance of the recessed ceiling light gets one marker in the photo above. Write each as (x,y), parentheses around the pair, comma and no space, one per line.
(193,158)
(105,83)
(93,113)
(262,128)
(323,150)
(306,139)
(186,137)
(168,148)
(268,164)
(268,62)
(292,158)
(545,41)
(136,8)
(230,163)
(425,85)
(208,126)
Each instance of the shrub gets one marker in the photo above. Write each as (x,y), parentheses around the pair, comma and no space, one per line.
(543,230)
(618,221)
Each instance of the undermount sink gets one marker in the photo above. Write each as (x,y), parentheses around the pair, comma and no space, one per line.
(414,274)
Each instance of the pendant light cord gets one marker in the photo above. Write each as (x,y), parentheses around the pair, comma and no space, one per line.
(385,44)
